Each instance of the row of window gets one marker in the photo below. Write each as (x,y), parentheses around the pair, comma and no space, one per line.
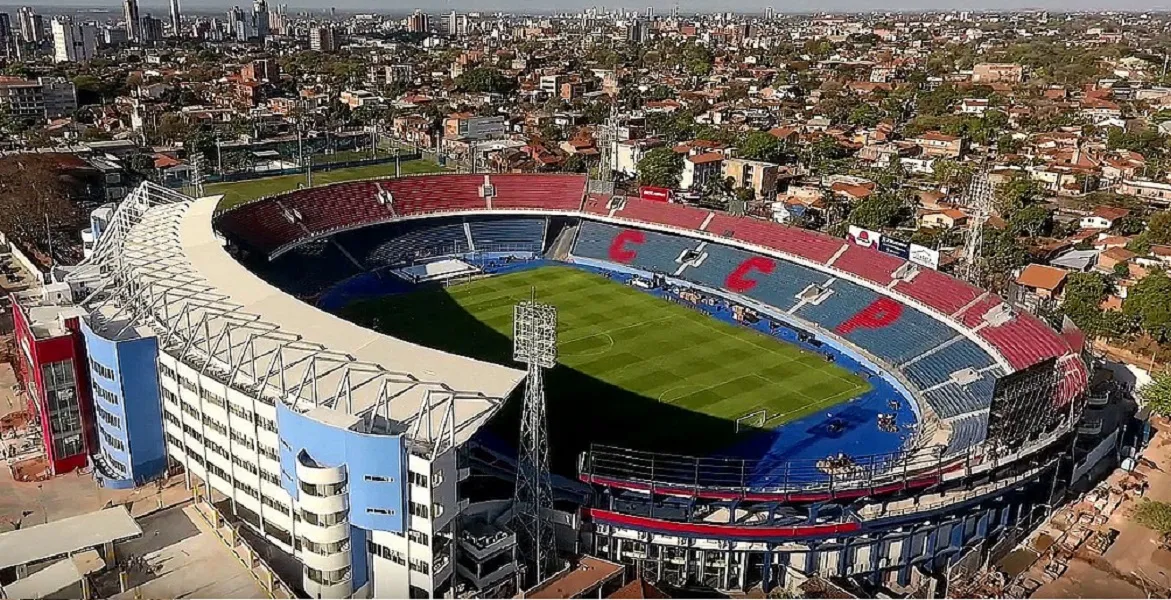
(325,549)
(111,441)
(219,472)
(418,479)
(109,419)
(107,395)
(102,370)
(327,520)
(376,549)
(118,466)
(323,490)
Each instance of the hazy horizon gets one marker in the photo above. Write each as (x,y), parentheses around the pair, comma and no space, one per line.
(660,7)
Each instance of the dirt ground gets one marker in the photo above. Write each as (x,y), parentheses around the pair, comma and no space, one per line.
(1134,566)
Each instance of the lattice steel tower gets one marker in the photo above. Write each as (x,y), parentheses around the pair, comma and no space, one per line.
(535,344)
(979,200)
(607,138)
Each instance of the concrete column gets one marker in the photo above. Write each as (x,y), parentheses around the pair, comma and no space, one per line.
(108,553)
(743,570)
(726,578)
(659,571)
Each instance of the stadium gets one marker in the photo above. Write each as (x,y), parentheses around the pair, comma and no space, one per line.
(736,402)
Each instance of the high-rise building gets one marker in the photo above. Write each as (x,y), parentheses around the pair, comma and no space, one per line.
(151,29)
(32,27)
(133,21)
(239,27)
(322,39)
(453,23)
(176,19)
(73,42)
(650,12)
(7,40)
(636,32)
(260,19)
(418,22)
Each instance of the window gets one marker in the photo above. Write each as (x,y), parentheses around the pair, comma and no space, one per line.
(169,396)
(67,446)
(418,537)
(214,447)
(382,551)
(242,439)
(419,510)
(212,398)
(102,370)
(109,419)
(327,577)
(420,566)
(380,511)
(171,418)
(324,549)
(378,478)
(218,472)
(418,479)
(268,452)
(323,490)
(240,412)
(270,477)
(107,395)
(323,520)
(167,372)
(112,442)
(215,425)
(266,424)
(243,464)
(274,504)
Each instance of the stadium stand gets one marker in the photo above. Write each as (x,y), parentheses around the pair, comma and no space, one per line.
(498,235)
(936,366)
(778,287)
(416,244)
(954,399)
(868,264)
(662,213)
(655,251)
(967,431)
(546,192)
(938,291)
(1024,341)
(798,242)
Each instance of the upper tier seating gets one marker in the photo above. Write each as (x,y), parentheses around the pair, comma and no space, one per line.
(500,235)
(418,244)
(967,431)
(943,293)
(675,215)
(550,192)
(954,399)
(868,264)
(798,242)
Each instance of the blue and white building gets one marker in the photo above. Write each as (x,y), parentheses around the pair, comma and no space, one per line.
(127,410)
(338,445)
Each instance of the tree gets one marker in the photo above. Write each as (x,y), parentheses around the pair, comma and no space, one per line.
(1146,301)
(761,145)
(878,211)
(1082,301)
(1156,395)
(33,198)
(1031,220)
(661,167)
(1159,228)
(486,80)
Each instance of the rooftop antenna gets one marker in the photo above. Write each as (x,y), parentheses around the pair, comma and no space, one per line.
(534,344)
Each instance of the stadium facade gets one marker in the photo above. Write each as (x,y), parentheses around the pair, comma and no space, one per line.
(346,449)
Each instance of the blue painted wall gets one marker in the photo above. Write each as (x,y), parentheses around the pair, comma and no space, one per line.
(133,386)
(375,466)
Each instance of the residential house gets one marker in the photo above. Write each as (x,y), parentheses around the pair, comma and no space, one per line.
(1039,285)
(1103,217)
(936,144)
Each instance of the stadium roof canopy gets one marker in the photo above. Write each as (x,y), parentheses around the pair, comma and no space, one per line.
(162,263)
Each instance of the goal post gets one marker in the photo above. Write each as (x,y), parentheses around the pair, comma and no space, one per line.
(756,419)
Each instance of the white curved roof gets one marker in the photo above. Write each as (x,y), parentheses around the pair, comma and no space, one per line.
(172,272)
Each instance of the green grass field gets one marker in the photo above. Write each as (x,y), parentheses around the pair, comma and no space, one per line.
(634,370)
(242,191)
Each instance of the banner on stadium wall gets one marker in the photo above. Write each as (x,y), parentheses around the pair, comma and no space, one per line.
(864,237)
(922,255)
(895,246)
(654,194)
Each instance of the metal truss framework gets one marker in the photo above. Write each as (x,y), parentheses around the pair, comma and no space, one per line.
(140,276)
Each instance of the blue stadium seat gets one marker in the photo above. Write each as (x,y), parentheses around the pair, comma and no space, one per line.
(910,335)
(508,235)
(417,244)
(657,253)
(778,289)
(967,431)
(937,367)
(953,399)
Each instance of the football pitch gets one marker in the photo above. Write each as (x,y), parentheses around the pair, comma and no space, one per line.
(633,370)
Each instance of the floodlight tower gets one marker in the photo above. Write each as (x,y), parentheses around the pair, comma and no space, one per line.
(535,344)
(979,199)
(608,138)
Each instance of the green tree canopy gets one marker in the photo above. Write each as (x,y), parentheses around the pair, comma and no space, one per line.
(761,145)
(661,167)
(1147,302)
(483,80)
(1156,395)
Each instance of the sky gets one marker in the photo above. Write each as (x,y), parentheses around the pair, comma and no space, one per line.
(660,6)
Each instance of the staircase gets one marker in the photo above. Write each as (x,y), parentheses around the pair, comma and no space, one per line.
(559,249)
